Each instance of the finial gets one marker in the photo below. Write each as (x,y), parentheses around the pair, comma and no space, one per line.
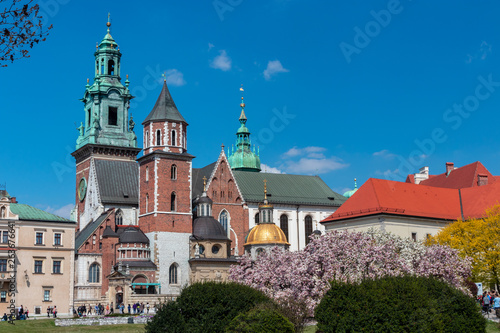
(96,46)
(87,80)
(204,184)
(222,146)
(109,22)
(242,103)
(265,189)
(164,76)
(355,184)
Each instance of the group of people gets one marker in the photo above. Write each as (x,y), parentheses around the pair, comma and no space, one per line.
(138,308)
(491,300)
(97,310)
(52,311)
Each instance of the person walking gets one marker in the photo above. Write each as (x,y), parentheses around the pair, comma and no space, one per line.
(48,311)
(55,311)
(129,308)
(486,302)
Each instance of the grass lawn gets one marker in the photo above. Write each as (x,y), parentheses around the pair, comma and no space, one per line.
(47,325)
(492,327)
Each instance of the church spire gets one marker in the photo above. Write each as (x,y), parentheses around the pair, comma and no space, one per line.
(243,158)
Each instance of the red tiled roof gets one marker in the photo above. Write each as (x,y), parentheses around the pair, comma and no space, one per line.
(477,199)
(462,177)
(410,179)
(391,197)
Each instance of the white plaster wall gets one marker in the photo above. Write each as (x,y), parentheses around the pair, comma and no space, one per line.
(296,231)
(399,225)
(172,247)
(129,213)
(83,289)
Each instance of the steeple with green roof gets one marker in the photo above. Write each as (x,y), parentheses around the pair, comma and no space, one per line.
(244,159)
(107,100)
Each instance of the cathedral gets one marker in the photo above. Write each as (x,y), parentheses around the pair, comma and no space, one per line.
(148,223)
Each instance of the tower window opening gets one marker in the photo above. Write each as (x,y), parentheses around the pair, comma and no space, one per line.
(146,140)
(173,202)
(173,172)
(147,174)
(257,218)
(112,116)
(158,137)
(89,116)
(111,67)
(147,202)
(102,66)
(173,139)
(223,220)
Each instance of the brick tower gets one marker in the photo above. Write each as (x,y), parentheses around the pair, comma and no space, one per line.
(165,171)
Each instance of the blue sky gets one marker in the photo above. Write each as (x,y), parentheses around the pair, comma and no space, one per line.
(341,89)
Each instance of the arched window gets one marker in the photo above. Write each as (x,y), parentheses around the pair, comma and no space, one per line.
(172,274)
(147,202)
(2,213)
(147,174)
(94,273)
(173,172)
(173,204)
(223,219)
(146,140)
(111,67)
(308,226)
(284,224)
(158,137)
(173,139)
(257,218)
(119,217)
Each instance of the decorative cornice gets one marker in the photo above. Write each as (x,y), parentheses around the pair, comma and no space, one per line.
(94,149)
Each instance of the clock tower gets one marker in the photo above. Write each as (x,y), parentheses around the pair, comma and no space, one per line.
(106,147)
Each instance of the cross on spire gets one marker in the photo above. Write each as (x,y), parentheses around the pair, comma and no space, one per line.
(164,76)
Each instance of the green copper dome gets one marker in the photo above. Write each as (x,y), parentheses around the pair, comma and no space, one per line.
(243,158)
(350,193)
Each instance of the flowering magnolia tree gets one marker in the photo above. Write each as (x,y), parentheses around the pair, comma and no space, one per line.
(303,276)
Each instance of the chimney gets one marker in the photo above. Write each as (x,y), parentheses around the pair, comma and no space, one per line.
(13,200)
(482,179)
(449,167)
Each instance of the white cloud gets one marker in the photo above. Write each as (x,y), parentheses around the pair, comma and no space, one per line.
(388,173)
(64,211)
(311,151)
(210,46)
(384,154)
(310,160)
(222,61)
(274,67)
(175,78)
(268,169)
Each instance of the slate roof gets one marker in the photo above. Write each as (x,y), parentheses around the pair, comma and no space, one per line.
(138,264)
(206,227)
(287,189)
(197,178)
(118,181)
(89,229)
(164,108)
(133,235)
(27,212)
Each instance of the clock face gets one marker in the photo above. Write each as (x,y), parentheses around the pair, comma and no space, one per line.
(82,189)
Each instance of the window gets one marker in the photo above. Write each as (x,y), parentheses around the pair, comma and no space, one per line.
(173,139)
(172,202)
(94,273)
(215,249)
(147,174)
(173,172)
(39,238)
(223,220)
(46,295)
(172,274)
(111,67)
(3,265)
(102,66)
(5,236)
(147,202)
(100,245)
(57,239)
(284,225)
(119,217)
(256,218)
(146,140)
(3,296)
(56,267)
(112,116)
(38,266)
(308,225)
(414,236)
(158,137)
(2,213)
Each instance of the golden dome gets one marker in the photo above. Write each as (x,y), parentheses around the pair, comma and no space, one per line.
(266,233)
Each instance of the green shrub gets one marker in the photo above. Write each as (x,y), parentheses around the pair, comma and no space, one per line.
(260,319)
(205,307)
(168,318)
(398,304)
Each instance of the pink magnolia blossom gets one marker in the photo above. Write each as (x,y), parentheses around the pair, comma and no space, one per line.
(304,276)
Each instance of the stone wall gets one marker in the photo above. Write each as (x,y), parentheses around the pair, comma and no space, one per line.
(99,321)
